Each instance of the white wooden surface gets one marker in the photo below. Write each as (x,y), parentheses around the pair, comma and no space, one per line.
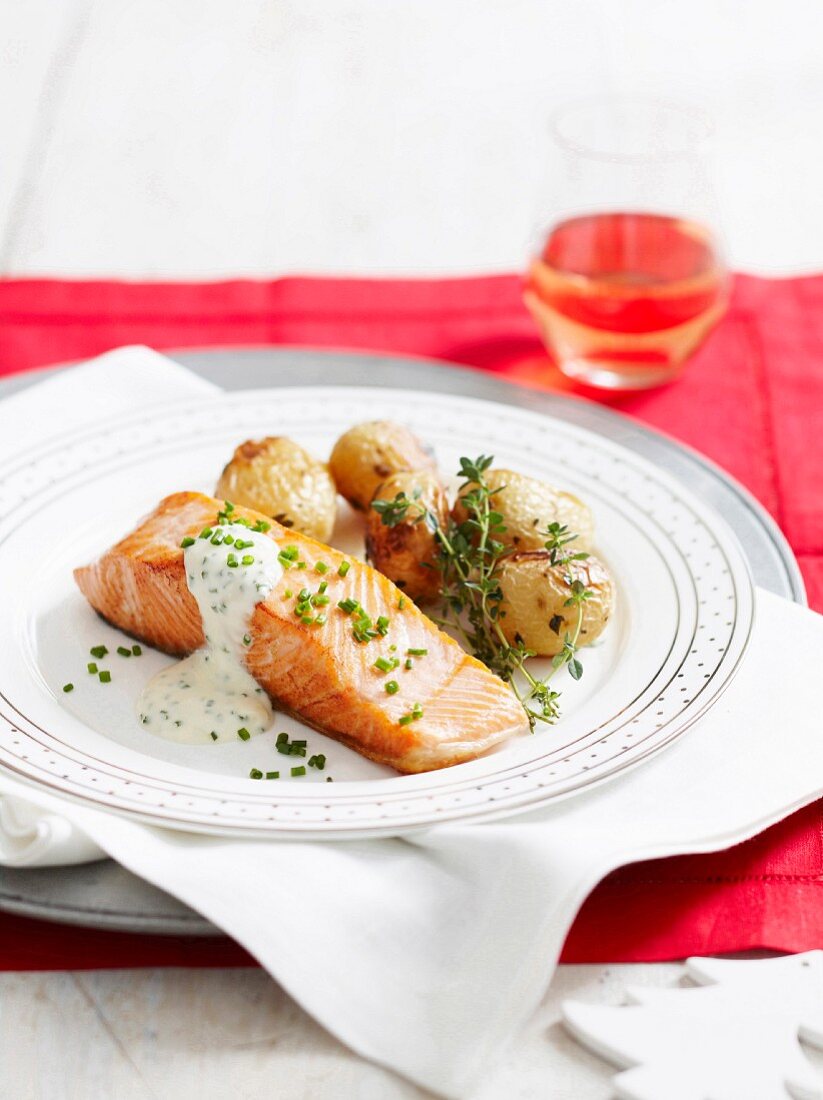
(209,1034)
(200,138)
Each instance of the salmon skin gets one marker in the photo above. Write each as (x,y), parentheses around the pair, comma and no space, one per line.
(320,673)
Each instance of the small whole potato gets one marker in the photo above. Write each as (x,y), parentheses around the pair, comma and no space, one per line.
(370,453)
(528,506)
(406,553)
(534,600)
(277,477)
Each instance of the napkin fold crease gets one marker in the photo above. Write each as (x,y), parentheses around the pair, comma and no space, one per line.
(30,837)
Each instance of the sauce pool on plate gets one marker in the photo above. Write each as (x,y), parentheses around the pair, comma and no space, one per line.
(210,695)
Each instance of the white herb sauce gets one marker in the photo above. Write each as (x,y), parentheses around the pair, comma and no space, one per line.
(211,695)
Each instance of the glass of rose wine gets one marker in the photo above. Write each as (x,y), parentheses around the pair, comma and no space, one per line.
(628,279)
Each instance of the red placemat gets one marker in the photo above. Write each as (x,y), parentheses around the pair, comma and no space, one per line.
(752,400)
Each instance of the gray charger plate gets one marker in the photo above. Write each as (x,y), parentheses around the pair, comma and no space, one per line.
(104,895)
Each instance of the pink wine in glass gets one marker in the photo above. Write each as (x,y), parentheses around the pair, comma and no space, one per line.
(623,299)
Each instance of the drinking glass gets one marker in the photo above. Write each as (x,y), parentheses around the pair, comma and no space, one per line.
(628,280)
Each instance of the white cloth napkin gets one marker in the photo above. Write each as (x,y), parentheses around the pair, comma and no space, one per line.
(427,953)
(32,837)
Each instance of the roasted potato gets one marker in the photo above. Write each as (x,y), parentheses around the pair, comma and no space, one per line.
(528,506)
(534,600)
(368,454)
(280,479)
(406,553)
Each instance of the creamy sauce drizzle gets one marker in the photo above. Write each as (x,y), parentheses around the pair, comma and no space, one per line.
(212,692)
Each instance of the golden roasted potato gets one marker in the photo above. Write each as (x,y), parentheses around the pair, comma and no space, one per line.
(534,600)
(528,506)
(369,453)
(277,477)
(406,553)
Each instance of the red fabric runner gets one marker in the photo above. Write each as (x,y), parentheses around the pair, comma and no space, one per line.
(751,400)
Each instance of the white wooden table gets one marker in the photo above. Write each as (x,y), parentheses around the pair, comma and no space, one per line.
(199,139)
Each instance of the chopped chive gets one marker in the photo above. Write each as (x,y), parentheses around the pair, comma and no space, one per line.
(392,687)
(320,600)
(104,676)
(255,773)
(228,539)
(137,651)
(247,639)
(401,603)
(121,649)
(298,771)
(284,748)
(382,626)
(323,586)
(247,559)
(297,750)
(302,565)
(409,665)
(213,735)
(415,713)
(348,605)
(98,651)
(272,775)
(91,667)
(362,630)
(300,744)
(392,649)
(287,595)
(228,506)
(307,620)
(281,737)
(261,526)
(405,719)
(343,568)
(318,762)
(243,734)
(206,533)
(383,664)
(187,542)
(320,567)
(68,687)
(233,564)
(320,619)
(216,539)
(417,652)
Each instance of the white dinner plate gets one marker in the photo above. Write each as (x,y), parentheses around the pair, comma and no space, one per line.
(684,614)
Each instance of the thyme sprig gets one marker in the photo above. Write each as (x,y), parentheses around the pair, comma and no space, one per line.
(470,555)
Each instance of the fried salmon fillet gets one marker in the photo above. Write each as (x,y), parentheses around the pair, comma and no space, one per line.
(321,673)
